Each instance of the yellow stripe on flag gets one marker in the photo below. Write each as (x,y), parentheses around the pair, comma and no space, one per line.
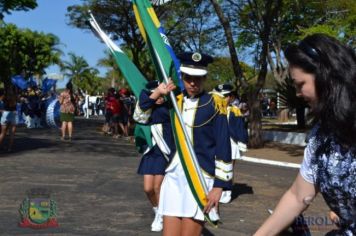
(189,164)
(139,23)
(188,159)
(154,17)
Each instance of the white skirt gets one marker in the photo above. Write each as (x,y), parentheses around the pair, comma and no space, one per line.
(176,199)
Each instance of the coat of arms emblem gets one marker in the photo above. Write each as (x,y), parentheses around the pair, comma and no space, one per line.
(38,210)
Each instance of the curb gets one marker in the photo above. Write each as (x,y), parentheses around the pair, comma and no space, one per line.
(293,138)
(270,162)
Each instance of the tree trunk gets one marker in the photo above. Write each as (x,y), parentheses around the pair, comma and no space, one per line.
(7,84)
(255,137)
(231,44)
(255,122)
(266,17)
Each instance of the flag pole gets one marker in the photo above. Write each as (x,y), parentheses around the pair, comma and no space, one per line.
(95,25)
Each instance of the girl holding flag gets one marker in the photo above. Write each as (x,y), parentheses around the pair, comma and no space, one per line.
(204,117)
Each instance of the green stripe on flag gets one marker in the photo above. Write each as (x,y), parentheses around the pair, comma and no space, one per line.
(135,80)
(147,17)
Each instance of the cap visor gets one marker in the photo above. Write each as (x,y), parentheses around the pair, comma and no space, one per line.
(193,71)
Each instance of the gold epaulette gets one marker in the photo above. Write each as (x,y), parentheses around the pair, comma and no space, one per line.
(235,110)
(220,103)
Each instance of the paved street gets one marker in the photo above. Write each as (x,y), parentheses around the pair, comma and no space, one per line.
(94,182)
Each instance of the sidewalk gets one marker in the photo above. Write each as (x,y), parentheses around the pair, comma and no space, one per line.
(278,152)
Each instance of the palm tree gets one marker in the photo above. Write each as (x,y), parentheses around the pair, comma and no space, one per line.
(76,68)
(288,98)
(114,72)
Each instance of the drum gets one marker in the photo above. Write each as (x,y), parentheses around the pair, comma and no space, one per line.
(52,114)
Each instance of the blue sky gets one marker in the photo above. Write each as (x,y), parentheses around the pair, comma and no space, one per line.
(49,17)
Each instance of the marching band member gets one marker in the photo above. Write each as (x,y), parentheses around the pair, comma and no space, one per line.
(204,117)
(152,110)
(237,130)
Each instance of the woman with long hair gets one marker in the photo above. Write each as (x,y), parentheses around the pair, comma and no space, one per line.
(67,110)
(324,74)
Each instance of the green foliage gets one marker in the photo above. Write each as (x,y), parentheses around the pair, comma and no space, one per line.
(91,83)
(113,75)
(270,82)
(6,6)
(26,52)
(189,24)
(81,74)
(296,20)
(115,18)
(192,25)
(337,19)
(220,71)
(325,29)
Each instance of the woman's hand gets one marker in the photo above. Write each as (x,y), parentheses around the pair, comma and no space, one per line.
(213,199)
(163,89)
(334,218)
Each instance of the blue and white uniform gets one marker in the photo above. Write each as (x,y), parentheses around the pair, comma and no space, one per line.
(155,159)
(237,128)
(238,131)
(208,131)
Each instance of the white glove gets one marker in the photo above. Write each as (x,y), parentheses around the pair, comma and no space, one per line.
(242,147)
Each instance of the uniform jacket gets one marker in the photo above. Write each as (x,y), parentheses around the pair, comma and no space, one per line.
(211,139)
(149,113)
(237,126)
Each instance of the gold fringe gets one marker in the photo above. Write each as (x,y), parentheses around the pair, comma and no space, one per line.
(235,110)
(220,104)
